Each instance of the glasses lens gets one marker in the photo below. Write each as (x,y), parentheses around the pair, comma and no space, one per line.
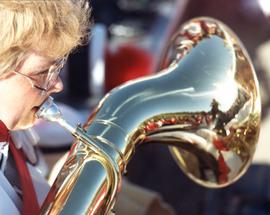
(53,74)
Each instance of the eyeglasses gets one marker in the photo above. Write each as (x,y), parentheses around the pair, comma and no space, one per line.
(46,79)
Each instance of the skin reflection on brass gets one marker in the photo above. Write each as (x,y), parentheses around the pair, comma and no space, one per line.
(204,105)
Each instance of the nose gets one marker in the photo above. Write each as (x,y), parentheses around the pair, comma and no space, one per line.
(57,87)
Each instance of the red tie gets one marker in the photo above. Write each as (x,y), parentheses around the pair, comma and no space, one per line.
(30,203)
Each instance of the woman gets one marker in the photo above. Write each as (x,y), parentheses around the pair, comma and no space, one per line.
(36,38)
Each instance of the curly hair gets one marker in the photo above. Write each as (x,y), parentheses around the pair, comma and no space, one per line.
(51,27)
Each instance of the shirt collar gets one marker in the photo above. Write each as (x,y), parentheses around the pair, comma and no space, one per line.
(4,132)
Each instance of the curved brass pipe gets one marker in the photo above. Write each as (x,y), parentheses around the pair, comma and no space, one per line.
(205,105)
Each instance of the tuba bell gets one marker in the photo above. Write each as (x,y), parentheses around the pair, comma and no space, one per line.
(204,105)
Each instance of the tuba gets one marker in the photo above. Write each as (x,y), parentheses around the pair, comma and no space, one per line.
(204,105)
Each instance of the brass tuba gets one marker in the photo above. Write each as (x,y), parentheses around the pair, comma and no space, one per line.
(204,105)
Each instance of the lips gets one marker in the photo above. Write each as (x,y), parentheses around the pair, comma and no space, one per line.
(35,109)
(38,106)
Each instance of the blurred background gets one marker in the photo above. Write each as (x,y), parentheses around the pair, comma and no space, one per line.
(127,41)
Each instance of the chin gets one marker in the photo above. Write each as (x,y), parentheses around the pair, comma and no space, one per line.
(27,121)
(25,124)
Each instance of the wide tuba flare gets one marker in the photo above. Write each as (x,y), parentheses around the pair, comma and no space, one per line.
(204,105)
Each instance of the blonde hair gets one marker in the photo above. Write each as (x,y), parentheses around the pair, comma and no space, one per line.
(51,27)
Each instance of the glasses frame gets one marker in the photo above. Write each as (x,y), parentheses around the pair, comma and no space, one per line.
(52,75)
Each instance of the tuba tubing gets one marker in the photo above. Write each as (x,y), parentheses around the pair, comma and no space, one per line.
(204,105)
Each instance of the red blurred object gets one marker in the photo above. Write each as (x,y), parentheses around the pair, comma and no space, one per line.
(127,63)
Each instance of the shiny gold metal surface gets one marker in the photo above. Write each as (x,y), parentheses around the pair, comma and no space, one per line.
(204,105)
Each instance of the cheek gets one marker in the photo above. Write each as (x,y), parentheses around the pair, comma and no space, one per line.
(30,98)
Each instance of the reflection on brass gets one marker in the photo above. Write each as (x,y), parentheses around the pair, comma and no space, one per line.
(204,105)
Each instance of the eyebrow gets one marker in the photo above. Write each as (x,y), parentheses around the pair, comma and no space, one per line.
(44,71)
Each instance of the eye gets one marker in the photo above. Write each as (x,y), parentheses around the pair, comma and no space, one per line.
(44,72)
(40,76)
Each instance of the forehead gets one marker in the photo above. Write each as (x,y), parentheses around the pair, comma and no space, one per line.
(35,62)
